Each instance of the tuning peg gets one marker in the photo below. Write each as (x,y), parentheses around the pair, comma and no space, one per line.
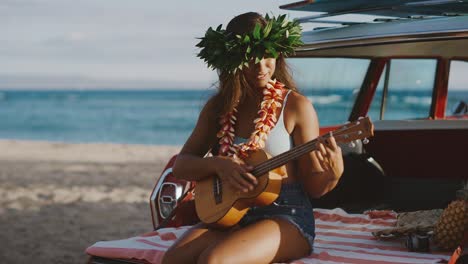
(352,144)
(365,141)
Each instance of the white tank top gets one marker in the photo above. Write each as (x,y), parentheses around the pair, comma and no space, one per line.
(278,140)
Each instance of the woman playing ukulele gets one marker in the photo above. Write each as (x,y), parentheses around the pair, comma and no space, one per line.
(257,106)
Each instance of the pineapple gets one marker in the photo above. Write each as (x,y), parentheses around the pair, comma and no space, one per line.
(452,225)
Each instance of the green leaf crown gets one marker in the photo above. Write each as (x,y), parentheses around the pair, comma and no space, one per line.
(228,52)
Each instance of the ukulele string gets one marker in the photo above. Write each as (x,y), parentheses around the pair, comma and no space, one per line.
(284,158)
(277,161)
(301,150)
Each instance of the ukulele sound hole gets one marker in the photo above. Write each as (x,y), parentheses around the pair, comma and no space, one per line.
(218,190)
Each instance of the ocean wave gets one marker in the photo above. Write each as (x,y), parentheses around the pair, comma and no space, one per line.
(325,99)
(417,100)
(72,97)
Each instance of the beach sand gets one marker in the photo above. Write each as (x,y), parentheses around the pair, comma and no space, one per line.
(56,199)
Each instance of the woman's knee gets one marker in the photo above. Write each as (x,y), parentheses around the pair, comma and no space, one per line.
(189,248)
(211,256)
(174,256)
(170,257)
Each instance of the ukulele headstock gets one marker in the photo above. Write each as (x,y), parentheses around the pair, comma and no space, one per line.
(359,129)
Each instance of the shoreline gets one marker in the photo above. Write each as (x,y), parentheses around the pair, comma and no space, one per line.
(31,150)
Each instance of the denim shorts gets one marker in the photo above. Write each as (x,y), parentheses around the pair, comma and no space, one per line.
(292,205)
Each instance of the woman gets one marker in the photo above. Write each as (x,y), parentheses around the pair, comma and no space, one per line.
(251,110)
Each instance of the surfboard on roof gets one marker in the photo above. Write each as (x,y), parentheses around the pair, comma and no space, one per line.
(394,8)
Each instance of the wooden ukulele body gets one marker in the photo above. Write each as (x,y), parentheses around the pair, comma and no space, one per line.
(223,206)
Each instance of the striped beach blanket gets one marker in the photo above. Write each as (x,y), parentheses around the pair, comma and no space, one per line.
(341,238)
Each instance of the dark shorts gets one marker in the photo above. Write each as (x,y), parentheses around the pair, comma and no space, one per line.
(292,205)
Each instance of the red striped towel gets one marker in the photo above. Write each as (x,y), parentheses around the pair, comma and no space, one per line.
(341,238)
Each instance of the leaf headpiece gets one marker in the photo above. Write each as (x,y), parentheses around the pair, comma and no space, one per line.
(229,52)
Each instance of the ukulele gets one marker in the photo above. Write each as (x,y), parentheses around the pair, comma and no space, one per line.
(224,206)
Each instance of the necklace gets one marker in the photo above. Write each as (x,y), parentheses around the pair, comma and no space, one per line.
(272,95)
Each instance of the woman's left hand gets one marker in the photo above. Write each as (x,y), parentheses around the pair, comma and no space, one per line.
(328,157)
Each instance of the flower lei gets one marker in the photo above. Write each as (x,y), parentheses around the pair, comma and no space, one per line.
(229,52)
(272,95)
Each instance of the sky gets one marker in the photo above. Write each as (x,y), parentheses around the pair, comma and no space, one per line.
(110,43)
(85,44)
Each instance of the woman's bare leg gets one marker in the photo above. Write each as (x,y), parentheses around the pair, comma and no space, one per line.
(266,241)
(192,243)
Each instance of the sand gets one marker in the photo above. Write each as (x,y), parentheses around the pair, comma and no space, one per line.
(56,199)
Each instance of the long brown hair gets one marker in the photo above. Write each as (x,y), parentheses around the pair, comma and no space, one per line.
(233,87)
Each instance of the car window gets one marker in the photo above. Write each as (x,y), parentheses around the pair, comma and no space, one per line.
(331,84)
(408,95)
(457,94)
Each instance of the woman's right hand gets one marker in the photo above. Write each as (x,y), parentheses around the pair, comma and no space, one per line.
(236,173)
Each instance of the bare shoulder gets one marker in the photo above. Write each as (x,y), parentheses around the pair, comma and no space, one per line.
(209,105)
(203,136)
(299,109)
(297,100)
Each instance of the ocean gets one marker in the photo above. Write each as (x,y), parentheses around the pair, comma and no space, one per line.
(157,117)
